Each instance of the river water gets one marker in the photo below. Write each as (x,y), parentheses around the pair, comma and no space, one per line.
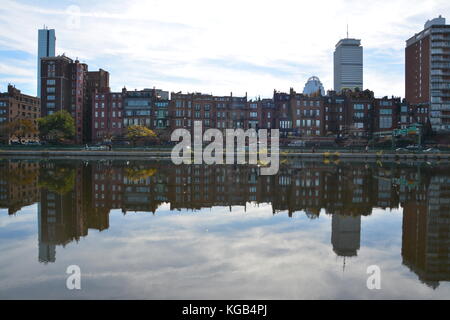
(153,230)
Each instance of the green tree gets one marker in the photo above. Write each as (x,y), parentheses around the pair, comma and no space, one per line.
(57,126)
(135,133)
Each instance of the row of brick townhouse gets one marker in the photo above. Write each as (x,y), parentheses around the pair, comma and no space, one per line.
(102,115)
(357,114)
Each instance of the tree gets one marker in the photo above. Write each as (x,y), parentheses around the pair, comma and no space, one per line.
(57,126)
(19,128)
(135,133)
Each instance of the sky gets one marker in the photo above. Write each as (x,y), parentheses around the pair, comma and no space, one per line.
(212,46)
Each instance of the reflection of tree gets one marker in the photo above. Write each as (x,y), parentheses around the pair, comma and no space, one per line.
(60,179)
(136,174)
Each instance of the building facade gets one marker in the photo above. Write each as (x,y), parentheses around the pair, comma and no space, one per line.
(107,116)
(314,87)
(46,48)
(63,87)
(16,106)
(348,65)
(427,72)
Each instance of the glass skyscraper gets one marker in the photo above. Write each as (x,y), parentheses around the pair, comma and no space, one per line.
(46,48)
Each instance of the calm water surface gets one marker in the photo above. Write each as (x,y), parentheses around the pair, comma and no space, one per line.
(152,230)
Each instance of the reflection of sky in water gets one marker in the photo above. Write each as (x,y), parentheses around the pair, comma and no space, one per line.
(210,254)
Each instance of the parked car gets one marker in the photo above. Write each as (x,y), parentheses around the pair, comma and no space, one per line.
(413,148)
(401,150)
(298,144)
(97,148)
(432,150)
(33,143)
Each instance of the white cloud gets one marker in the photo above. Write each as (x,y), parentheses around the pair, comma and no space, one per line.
(267,44)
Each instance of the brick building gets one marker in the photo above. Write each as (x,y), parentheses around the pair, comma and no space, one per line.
(427,72)
(148,107)
(386,115)
(107,116)
(64,87)
(14,106)
(308,114)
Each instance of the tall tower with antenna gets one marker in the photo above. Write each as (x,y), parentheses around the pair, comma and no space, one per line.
(348,64)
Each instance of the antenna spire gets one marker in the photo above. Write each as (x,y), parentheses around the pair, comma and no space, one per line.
(347,30)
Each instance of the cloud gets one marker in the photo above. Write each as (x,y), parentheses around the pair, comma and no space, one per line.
(213,254)
(222,46)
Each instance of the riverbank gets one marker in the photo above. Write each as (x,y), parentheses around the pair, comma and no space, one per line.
(164,154)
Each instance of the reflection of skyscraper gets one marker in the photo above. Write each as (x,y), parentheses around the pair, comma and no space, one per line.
(426,233)
(46,48)
(346,235)
(47,252)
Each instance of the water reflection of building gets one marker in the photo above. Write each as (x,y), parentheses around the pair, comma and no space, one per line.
(65,211)
(78,196)
(426,231)
(346,234)
(18,184)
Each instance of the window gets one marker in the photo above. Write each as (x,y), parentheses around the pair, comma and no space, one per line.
(358,107)
(51,82)
(385,122)
(51,90)
(51,98)
(50,104)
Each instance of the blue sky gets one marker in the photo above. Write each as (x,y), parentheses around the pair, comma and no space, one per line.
(214,46)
